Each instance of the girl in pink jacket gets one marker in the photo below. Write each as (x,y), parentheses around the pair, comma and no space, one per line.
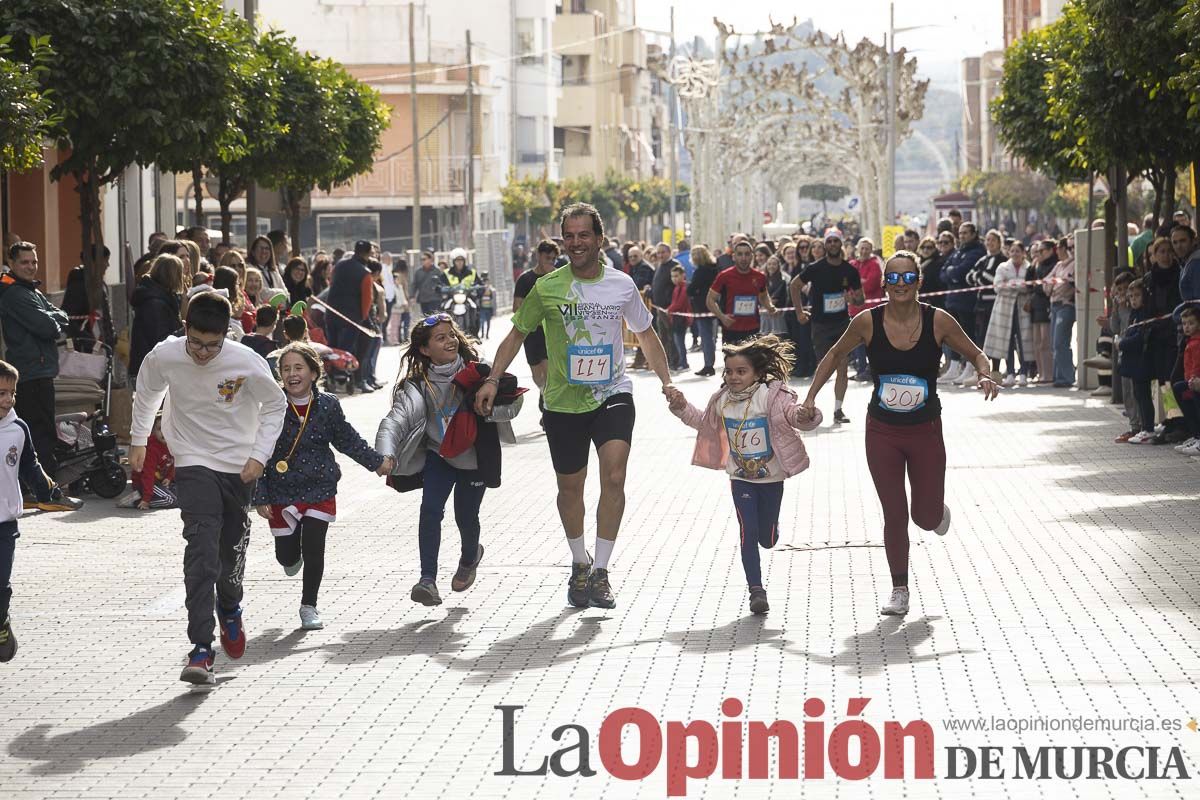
(748,429)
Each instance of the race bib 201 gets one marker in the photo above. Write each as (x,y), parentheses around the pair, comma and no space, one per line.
(902,393)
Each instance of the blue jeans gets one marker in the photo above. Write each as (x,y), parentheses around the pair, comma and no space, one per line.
(708,340)
(405,319)
(440,479)
(8,548)
(757,506)
(1062,320)
(679,335)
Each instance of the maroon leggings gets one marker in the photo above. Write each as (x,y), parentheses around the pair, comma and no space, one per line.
(890,450)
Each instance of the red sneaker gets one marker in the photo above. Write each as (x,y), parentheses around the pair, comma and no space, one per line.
(233,635)
(1124,437)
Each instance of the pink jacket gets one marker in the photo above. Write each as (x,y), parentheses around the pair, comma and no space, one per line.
(712,442)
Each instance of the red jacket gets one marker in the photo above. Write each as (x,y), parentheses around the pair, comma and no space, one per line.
(679,301)
(159,465)
(1191,358)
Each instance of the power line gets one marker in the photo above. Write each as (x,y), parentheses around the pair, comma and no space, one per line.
(424,136)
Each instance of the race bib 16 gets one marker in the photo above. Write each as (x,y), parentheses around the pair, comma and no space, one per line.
(752,441)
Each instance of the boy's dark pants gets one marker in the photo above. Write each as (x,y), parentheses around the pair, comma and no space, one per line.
(215,508)
(8,547)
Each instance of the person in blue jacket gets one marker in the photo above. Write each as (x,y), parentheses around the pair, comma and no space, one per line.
(962,305)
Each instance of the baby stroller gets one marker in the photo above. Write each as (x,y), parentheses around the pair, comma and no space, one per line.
(339,365)
(86,449)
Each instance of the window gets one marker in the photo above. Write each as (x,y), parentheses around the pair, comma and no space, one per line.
(343,230)
(528,151)
(528,46)
(575,71)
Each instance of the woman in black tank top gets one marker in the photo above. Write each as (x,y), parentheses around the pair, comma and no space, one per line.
(904,341)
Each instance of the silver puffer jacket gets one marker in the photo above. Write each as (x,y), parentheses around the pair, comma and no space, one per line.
(402,432)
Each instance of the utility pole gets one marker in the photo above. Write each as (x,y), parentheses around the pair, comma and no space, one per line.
(469,225)
(891,117)
(671,165)
(251,11)
(416,130)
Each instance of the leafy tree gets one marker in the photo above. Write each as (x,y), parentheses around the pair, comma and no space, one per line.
(332,123)
(128,78)
(531,197)
(26,114)
(258,123)
(823,193)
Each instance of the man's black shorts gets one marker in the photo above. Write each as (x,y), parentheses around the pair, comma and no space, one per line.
(535,346)
(570,434)
(826,334)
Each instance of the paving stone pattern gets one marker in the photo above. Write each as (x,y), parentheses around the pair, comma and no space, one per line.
(1067,587)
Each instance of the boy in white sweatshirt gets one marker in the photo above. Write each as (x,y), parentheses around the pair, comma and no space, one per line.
(20,464)
(222,415)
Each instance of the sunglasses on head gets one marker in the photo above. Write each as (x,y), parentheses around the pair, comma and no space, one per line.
(434,319)
(893,278)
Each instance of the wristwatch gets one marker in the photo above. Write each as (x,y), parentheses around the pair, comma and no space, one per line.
(492,379)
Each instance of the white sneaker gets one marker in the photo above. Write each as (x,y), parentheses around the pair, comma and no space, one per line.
(1009,381)
(952,374)
(1193,450)
(943,526)
(968,377)
(1186,445)
(1141,437)
(1024,380)
(310,618)
(897,604)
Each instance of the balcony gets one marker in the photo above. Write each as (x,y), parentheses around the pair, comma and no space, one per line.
(446,175)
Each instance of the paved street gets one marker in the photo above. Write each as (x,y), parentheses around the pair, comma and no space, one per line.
(1067,588)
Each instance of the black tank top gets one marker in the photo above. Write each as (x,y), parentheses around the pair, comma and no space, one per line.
(905,380)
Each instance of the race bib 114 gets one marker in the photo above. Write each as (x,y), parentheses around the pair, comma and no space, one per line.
(589,364)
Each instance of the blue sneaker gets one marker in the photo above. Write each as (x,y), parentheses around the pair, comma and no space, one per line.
(233,634)
(199,669)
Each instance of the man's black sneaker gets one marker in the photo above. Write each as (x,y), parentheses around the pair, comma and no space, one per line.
(758,600)
(577,585)
(599,592)
(8,643)
(706,372)
(840,417)
(199,669)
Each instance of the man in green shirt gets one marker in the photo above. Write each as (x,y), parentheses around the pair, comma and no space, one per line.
(588,396)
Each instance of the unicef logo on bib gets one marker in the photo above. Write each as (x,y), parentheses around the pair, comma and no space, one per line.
(902,393)
(589,365)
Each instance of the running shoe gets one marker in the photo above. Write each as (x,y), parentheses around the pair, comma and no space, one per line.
(968,377)
(233,634)
(310,618)
(1124,437)
(951,375)
(8,642)
(1186,445)
(1191,450)
(577,584)
(1024,381)
(199,669)
(943,526)
(599,592)
(840,417)
(706,372)
(426,593)
(465,575)
(294,568)
(758,600)
(897,604)
(1009,381)
(1141,437)
(61,503)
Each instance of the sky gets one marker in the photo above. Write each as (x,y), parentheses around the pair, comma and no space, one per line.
(962,29)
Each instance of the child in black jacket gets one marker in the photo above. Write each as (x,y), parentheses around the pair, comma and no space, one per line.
(297,492)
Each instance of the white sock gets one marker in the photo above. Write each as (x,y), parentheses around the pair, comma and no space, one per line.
(837,404)
(604,548)
(578,552)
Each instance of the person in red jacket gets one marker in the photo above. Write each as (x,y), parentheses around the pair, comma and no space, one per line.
(679,310)
(1187,391)
(154,484)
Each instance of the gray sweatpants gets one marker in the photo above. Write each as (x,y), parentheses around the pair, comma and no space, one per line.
(215,508)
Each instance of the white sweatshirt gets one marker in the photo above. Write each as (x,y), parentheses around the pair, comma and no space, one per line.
(217,415)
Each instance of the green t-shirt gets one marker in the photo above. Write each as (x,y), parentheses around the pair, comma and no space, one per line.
(582,321)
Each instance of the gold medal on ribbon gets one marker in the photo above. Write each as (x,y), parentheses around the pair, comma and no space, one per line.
(752,465)
(281,467)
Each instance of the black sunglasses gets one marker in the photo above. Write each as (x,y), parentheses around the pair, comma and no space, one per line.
(892,278)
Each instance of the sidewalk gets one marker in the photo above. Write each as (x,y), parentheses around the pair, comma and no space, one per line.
(1067,587)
